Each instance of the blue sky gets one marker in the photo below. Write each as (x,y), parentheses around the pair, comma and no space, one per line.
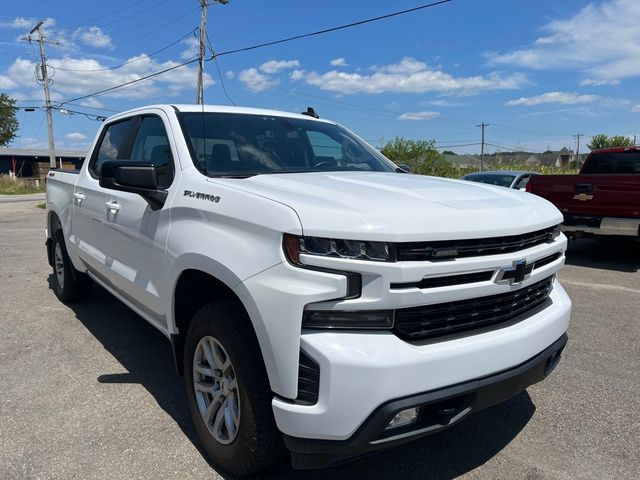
(538,72)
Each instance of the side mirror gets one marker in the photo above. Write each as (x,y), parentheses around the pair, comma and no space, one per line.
(134,177)
(405,167)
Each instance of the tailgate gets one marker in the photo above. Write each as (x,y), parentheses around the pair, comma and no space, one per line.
(602,195)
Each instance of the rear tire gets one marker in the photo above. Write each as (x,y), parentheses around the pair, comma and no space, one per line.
(69,284)
(231,404)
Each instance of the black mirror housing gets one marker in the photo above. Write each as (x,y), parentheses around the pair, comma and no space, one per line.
(134,177)
(405,167)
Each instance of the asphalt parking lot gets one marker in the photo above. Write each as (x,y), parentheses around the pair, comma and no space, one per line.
(90,391)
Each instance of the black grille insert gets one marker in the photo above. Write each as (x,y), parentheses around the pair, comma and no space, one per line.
(447,249)
(431,321)
(308,380)
(446,281)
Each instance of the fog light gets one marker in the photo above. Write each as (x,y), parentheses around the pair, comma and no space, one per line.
(404,418)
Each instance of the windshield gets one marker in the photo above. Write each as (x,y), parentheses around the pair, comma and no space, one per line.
(618,162)
(492,179)
(236,144)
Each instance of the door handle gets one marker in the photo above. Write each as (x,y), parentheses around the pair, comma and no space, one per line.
(113,206)
(79,196)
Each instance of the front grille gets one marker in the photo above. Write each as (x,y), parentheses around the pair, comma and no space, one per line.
(447,249)
(431,321)
(308,380)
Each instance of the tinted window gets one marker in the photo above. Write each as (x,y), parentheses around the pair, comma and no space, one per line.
(620,162)
(112,146)
(242,144)
(151,145)
(492,179)
(522,182)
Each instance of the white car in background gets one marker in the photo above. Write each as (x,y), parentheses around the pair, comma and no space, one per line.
(516,179)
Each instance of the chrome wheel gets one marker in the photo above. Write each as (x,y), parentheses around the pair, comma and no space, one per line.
(216,390)
(58,265)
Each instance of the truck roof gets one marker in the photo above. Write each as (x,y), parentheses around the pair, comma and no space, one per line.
(224,109)
(614,150)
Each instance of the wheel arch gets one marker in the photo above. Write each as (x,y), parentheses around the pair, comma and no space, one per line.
(195,286)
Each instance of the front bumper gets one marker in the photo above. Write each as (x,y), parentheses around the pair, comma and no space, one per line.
(439,409)
(359,371)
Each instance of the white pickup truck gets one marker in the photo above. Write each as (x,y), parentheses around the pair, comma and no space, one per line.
(316,295)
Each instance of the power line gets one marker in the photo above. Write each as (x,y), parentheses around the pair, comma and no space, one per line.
(130,61)
(111,13)
(115,87)
(229,52)
(333,29)
(215,60)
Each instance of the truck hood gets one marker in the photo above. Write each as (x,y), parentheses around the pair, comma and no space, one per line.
(401,207)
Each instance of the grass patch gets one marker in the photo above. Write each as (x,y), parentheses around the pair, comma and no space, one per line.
(42,205)
(18,186)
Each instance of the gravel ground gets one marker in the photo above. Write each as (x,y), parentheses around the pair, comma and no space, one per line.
(90,391)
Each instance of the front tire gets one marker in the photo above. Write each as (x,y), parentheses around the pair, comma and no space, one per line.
(69,284)
(228,391)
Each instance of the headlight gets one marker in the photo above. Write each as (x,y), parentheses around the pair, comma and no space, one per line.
(329,247)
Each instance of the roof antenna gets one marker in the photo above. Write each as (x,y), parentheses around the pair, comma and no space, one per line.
(311,112)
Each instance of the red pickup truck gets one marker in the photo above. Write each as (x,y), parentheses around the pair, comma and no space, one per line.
(603,199)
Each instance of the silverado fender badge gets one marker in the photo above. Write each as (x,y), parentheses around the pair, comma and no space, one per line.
(583,197)
(202,196)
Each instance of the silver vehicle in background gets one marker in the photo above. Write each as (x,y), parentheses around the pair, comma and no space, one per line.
(517,179)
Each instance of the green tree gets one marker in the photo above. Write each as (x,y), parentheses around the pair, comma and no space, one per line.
(604,141)
(449,152)
(421,155)
(8,120)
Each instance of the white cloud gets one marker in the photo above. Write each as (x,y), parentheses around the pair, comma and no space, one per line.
(94,37)
(71,81)
(192,48)
(338,62)
(275,66)
(601,40)
(409,76)
(24,23)
(635,109)
(230,74)
(416,116)
(256,81)
(75,136)
(564,98)
(590,82)
(6,83)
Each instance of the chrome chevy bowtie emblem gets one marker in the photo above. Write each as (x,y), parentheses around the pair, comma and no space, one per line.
(583,197)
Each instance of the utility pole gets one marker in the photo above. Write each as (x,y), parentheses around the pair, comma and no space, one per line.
(42,75)
(482,125)
(202,46)
(577,137)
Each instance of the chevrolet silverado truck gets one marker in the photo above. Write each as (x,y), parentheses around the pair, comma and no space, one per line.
(603,199)
(316,296)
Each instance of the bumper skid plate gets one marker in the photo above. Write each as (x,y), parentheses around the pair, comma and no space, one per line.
(438,409)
